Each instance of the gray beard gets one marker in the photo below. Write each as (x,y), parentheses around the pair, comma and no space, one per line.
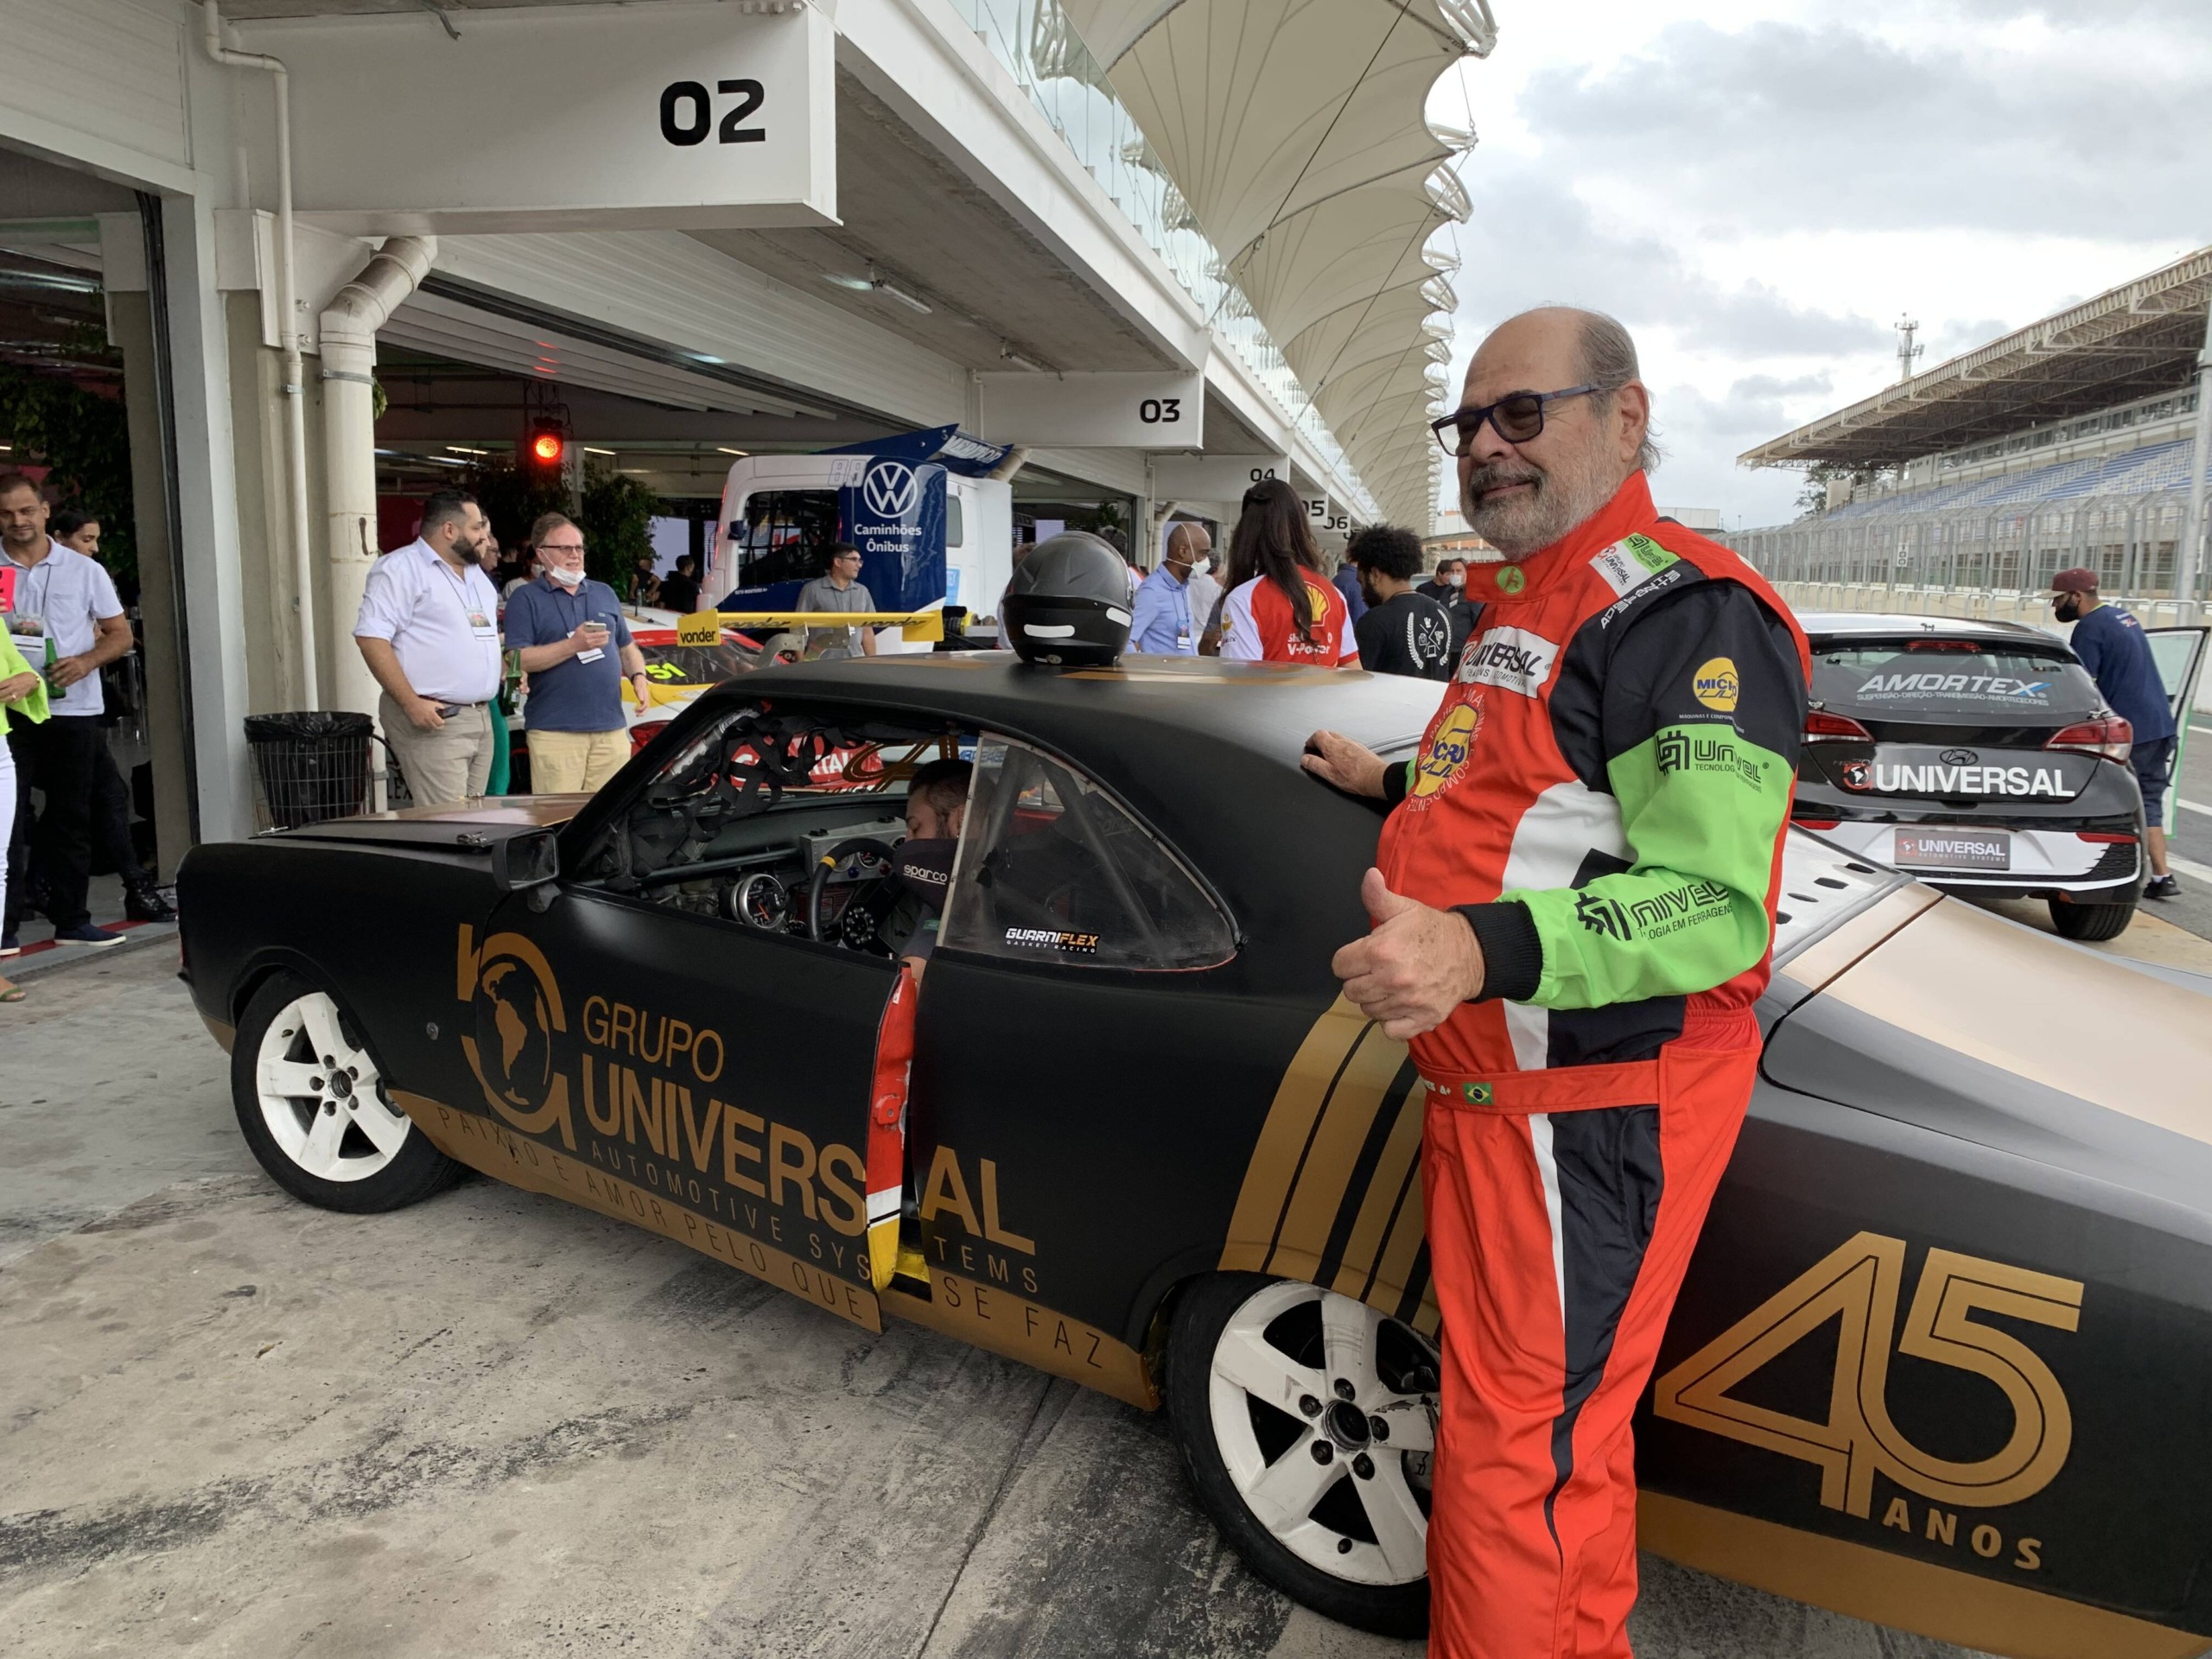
(1518,526)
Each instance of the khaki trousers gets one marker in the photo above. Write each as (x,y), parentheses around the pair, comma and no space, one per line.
(566,762)
(444,767)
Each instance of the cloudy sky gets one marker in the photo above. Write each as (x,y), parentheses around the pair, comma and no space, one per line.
(1759,188)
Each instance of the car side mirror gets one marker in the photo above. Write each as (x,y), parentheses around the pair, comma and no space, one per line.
(531,859)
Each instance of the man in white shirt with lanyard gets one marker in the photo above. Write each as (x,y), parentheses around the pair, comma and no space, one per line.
(66,621)
(429,631)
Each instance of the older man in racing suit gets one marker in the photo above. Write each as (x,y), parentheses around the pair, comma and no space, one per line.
(1572,908)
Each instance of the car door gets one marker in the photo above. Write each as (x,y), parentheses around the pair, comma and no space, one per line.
(1071,1020)
(2179,653)
(708,1075)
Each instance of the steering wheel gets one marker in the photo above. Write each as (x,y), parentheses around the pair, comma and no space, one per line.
(856,923)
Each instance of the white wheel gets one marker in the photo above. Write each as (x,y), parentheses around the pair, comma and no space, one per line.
(321,1096)
(1324,1416)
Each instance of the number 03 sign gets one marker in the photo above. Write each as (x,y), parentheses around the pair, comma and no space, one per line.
(700,116)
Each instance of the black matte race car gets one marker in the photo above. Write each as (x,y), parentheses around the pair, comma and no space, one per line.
(1941,1360)
(1979,756)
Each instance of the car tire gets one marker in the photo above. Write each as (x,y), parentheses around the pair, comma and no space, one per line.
(314,1108)
(1252,1404)
(2090,922)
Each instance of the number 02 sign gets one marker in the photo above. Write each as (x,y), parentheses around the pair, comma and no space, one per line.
(701,117)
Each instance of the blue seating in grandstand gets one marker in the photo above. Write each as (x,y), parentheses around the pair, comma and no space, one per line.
(2157,467)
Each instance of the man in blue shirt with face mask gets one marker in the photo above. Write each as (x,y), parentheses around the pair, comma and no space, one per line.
(2113,647)
(578,651)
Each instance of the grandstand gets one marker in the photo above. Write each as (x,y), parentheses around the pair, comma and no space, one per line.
(2067,442)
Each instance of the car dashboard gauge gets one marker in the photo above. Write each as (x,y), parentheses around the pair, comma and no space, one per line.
(762,901)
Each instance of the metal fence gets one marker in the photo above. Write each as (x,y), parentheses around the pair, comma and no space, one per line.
(2010,551)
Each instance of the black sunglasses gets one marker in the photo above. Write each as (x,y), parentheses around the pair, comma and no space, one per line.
(1518,416)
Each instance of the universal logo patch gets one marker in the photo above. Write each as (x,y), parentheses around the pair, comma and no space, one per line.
(1512,659)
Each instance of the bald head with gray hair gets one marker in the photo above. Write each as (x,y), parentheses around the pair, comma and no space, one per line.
(1589,432)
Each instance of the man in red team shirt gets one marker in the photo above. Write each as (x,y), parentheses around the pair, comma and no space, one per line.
(1572,908)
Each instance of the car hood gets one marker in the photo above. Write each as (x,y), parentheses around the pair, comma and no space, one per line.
(1975,1026)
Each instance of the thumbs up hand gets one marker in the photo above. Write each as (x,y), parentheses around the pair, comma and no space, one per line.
(1416,966)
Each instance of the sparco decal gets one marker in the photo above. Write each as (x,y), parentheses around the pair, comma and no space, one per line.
(1884,779)
(1513,660)
(1854,1291)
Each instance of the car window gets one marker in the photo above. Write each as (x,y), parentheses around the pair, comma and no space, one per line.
(956,529)
(2173,649)
(1053,869)
(759,789)
(784,535)
(1952,680)
(674,664)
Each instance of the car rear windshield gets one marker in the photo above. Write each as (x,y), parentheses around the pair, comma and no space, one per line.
(1955,680)
(693,664)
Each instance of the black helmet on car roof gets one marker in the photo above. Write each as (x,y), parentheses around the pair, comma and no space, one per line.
(1068,604)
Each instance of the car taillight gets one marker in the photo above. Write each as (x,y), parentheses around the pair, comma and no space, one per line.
(2104,835)
(1817,823)
(2111,736)
(1821,727)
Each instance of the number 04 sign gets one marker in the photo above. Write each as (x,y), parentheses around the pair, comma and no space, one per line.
(696,117)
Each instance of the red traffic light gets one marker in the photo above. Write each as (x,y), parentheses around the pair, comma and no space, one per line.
(547,447)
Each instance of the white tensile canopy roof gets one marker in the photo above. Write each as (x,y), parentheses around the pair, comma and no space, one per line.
(1295,131)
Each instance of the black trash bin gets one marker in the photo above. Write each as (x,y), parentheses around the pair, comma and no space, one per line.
(312,765)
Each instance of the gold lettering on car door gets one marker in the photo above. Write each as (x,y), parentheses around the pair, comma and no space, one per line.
(1858,1286)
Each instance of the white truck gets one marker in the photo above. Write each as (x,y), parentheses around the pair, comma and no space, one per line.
(931,512)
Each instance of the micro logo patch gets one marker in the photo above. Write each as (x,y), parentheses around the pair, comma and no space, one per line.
(1715,684)
(1449,746)
(1510,581)
(1475,1093)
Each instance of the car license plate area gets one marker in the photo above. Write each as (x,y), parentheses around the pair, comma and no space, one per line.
(1953,849)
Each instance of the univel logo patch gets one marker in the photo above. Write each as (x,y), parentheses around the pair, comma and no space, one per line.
(1513,660)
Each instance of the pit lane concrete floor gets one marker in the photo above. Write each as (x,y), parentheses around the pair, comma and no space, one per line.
(494,1425)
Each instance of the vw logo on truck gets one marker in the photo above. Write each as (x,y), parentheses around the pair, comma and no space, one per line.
(891,488)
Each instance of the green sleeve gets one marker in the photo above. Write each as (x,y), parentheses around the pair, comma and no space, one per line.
(1701,717)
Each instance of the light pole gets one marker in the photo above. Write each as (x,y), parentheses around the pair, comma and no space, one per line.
(2200,455)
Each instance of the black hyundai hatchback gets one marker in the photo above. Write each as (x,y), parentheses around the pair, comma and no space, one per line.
(1978,756)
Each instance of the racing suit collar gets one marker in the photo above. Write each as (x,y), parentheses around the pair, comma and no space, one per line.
(1629,509)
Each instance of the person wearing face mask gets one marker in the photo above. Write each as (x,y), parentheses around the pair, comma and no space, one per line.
(1161,625)
(937,811)
(578,651)
(2112,646)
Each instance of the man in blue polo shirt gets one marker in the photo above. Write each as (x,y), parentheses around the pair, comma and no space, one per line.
(2112,646)
(578,651)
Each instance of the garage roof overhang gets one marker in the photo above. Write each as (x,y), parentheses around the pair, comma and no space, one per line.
(2132,341)
(1297,136)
